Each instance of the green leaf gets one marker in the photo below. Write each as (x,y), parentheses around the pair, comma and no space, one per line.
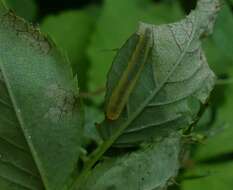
(173,83)
(118,20)
(152,167)
(71,30)
(224,130)
(24,8)
(222,35)
(216,177)
(218,61)
(219,46)
(41,118)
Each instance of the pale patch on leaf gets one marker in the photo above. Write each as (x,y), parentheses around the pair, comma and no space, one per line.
(152,167)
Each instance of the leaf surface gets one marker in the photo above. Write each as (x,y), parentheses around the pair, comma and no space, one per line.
(41,118)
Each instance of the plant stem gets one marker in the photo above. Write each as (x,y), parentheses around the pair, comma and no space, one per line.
(97,154)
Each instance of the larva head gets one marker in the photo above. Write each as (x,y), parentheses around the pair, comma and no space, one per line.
(112,115)
(146,31)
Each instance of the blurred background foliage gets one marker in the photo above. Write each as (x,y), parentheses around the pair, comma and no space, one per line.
(89,32)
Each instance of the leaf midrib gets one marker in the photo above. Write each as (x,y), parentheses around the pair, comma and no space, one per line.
(16,183)
(22,125)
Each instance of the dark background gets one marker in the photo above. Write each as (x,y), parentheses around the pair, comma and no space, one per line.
(54,6)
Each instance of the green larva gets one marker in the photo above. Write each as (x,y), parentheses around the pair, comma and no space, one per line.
(126,84)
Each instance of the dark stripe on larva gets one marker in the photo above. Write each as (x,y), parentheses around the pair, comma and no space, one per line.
(127,82)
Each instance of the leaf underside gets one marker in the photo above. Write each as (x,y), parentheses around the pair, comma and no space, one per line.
(41,118)
(175,81)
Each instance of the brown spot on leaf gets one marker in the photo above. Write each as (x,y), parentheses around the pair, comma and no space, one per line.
(31,34)
(64,102)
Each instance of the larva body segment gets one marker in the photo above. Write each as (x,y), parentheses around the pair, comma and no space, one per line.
(128,80)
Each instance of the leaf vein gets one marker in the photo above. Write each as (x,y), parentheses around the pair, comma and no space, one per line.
(14,144)
(20,168)
(178,116)
(4,119)
(16,183)
(3,102)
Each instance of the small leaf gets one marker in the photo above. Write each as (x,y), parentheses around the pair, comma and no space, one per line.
(41,118)
(173,83)
(152,167)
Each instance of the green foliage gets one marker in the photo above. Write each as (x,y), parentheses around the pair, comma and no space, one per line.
(46,140)
(173,72)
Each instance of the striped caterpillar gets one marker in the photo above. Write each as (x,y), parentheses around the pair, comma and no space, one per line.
(128,80)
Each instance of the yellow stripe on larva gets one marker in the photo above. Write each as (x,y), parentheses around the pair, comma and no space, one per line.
(126,84)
